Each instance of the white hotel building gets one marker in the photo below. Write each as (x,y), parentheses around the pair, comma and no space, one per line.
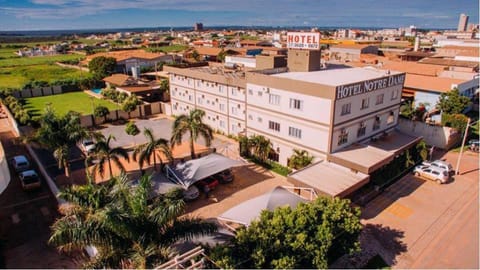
(335,114)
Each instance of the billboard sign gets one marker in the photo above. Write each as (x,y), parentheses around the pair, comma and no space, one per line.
(303,40)
(344,91)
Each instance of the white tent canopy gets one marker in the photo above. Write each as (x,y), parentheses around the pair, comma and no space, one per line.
(194,170)
(248,211)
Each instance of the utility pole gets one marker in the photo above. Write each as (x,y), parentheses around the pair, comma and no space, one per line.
(457,171)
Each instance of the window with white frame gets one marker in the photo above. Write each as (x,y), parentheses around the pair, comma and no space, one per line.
(250,92)
(220,89)
(295,132)
(259,119)
(365,103)
(222,107)
(346,108)
(379,99)
(200,101)
(390,118)
(376,123)
(343,137)
(234,92)
(274,126)
(234,110)
(222,123)
(250,117)
(362,129)
(259,93)
(273,99)
(394,94)
(296,104)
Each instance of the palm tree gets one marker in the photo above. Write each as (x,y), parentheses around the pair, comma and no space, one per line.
(144,152)
(128,228)
(193,124)
(60,134)
(422,150)
(300,159)
(260,147)
(103,153)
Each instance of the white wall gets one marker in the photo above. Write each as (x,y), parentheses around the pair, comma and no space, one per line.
(314,108)
(4,172)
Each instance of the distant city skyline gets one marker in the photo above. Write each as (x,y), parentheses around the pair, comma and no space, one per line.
(100,14)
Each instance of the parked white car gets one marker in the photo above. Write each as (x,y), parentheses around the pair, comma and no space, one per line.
(87,146)
(432,173)
(440,164)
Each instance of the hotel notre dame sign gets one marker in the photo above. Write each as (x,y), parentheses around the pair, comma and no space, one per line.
(344,91)
(303,40)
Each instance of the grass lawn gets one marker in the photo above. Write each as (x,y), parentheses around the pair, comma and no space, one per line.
(171,48)
(16,77)
(38,60)
(74,101)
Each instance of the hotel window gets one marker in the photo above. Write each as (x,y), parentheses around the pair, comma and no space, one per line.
(259,93)
(250,92)
(222,123)
(390,118)
(365,103)
(250,117)
(234,92)
(296,104)
(200,101)
(395,94)
(273,99)
(220,89)
(379,99)
(346,108)
(222,107)
(234,128)
(274,125)
(189,97)
(362,129)
(376,123)
(295,132)
(259,119)
(343,137)
(234,110)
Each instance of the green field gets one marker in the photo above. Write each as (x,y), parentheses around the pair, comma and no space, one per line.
(16,77)
(75,101)
(38,60)
(171,48)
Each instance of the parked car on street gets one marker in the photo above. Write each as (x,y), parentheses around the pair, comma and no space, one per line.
(20,163)
(190,194)
(440,164)
(224,177)
(29,179)
(432,173)
(474,145)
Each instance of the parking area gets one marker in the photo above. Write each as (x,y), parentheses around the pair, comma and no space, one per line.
(418,223)
(26,218)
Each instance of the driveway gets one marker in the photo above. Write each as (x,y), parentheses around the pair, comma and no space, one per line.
(417,223)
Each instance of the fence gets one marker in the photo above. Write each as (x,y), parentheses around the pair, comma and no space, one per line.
(142,111)
(38,92)
(438,136)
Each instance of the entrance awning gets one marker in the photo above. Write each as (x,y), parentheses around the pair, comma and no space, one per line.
(328,179)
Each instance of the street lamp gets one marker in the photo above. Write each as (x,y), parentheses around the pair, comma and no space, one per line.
(457,169)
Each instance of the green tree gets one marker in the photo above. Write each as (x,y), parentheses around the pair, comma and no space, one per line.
(452,102)
(310,236)
(422,150)
(130,104)
(221,56)
(144,152)
(60,134)
(102,66)
(260,147)
(300,159)
(164,85)
(196,55)
(132,129)
(126,226)
(101,111)
(104,154)
(193,125)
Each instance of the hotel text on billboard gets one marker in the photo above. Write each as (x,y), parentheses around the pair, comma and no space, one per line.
(353,89)
(300,40)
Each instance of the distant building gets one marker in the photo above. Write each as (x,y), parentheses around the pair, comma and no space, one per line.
(462,22)
(198,27)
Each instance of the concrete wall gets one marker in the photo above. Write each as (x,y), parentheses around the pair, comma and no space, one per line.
(38,92)
(438,136)
(4,172)
(11,121)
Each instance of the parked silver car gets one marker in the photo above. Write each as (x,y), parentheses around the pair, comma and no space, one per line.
(432,173)
(440,164)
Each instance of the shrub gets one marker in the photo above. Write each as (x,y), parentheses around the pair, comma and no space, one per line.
(456,121)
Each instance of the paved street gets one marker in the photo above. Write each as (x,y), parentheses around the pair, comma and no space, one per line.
(426,225)
(26,218)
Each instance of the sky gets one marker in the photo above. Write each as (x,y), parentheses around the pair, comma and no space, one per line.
(101,14)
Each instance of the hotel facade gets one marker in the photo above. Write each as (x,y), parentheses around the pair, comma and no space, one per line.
(319,111)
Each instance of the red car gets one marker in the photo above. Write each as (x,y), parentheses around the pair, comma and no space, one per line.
(207,184)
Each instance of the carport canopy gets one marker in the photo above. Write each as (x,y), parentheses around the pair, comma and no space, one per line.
(194,170)
(248,211)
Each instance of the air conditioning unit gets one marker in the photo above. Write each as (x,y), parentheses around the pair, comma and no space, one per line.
(268,91)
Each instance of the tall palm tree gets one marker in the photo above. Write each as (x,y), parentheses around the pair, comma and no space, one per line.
(104,154)
(126,226)
(300,159)
(194,125)
(60,134)
(144,152)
